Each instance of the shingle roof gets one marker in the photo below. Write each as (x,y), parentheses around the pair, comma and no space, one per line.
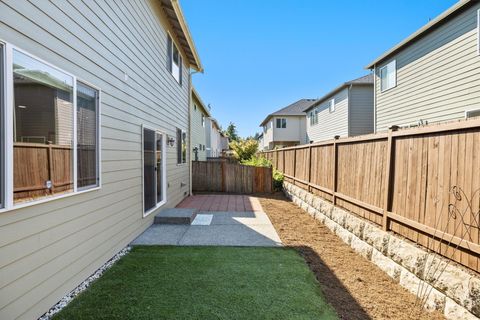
(365,80)
(295,109)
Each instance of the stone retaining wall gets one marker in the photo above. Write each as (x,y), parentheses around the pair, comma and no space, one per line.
(456,293)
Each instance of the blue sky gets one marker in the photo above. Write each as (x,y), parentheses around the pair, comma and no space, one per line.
(261,55)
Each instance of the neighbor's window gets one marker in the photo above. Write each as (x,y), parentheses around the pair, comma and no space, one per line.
(331,105)
(174,60)
(43,131)
(87,136)
(281,123)
(388,76)
(310,114)
(203,121)
(181,146)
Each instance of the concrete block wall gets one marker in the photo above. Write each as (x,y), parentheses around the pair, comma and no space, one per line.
(455,292)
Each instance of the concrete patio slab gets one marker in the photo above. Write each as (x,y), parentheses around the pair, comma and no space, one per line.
(243,218)
(231,235)
(161,234)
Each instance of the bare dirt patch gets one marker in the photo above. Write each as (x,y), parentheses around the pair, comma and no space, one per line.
(355,287)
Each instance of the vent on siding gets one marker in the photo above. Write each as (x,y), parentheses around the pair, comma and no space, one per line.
(472,113)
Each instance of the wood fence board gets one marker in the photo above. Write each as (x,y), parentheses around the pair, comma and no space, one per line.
(425,164)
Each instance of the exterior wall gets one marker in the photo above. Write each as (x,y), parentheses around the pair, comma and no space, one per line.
(216,142)
(329,123)
(294,132)
(268,134)
(208,137)
(361,110)
(437,76)
(198,131)
(49,248)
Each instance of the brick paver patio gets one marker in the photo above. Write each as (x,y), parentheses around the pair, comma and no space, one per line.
(222,202)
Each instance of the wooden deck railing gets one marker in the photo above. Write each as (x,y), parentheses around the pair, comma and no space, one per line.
(409,181)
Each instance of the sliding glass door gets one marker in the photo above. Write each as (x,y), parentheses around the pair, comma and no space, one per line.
(154,175)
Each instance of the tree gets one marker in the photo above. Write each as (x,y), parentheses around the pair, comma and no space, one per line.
(244,149)
(231,132)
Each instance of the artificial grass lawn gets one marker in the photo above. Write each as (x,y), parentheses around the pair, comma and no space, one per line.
(203,283)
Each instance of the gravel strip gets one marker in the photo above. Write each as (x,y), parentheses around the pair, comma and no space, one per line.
(83,286)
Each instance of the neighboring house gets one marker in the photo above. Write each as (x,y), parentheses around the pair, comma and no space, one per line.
(93,137)
(199,115)
(346,111)
(215,140)
(261,143)
(287,126)
(432,75)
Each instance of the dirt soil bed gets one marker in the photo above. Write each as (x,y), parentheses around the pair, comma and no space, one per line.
(355,287)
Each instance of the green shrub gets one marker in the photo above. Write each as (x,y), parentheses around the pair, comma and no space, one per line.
(244,149)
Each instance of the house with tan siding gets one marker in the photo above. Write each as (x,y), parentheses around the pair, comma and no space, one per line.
(286,127)
(107,84)
(433,75)
(346,111)
(199,115)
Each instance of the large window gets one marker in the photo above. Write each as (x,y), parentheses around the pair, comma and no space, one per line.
(174,60)
(87,133)
(281,123)
(388,76)
(52,141)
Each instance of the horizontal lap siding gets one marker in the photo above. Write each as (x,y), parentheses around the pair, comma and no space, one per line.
(437,77)
(361,110)
(294,132)
(48,249)
(330,124)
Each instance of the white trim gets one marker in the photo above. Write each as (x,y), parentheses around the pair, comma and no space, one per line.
(164,168)
(331,105)
(386,66)
(9,204)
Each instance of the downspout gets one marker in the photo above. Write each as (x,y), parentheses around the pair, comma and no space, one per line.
(190,180)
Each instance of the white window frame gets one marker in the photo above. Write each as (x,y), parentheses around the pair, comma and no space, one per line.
(8,193)
(478,31)
(164,168)
(391,64)
(203,120)
(331,105)
(176,75)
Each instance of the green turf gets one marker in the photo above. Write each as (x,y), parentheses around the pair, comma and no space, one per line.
(203,283)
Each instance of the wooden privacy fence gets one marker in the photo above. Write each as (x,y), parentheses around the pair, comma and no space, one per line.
(409,181)
(216,176)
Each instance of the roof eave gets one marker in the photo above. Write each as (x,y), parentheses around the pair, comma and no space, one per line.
(421,32)
(184,33)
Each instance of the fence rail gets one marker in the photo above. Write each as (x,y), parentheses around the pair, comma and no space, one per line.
(221,176)
(401,180)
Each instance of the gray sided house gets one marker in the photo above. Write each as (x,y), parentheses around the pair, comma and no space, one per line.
(94,115)
(346,111)
(199,126)
(433,75)
(286,127)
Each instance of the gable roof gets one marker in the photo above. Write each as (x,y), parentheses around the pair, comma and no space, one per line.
(433,24)
(294,109)
(179,26)
(365,80)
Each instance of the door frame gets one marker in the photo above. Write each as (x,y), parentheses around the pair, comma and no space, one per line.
(164,168)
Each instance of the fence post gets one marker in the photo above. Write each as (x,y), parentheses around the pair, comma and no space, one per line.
(50,168)
(283,165)
(294,164)
(335,170)
(223,175)
(389,177)
(309,167)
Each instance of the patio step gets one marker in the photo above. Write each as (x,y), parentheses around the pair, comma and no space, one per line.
(175,216)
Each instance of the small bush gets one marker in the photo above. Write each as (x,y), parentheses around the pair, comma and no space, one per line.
(244,149)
